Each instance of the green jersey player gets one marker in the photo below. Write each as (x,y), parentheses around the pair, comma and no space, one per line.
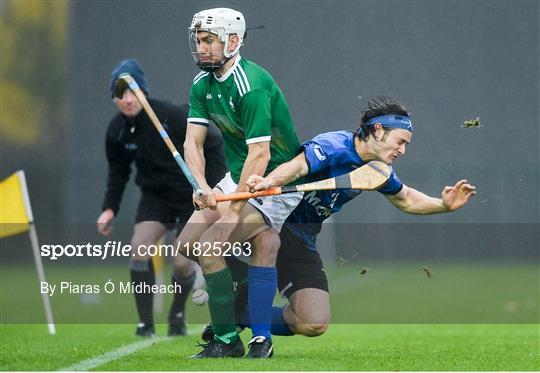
(246,104)
(248,107)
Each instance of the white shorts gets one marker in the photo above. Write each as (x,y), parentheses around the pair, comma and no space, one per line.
(275,209)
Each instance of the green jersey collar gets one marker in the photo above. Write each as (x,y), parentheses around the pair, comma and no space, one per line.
(224,77)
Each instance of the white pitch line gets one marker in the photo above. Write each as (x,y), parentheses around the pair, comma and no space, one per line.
(114,355)
(119,353)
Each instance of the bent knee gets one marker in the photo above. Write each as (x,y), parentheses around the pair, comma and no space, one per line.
(211,263)
(313,330)
(265,256)
(266,246)
(182,265)
(312,324)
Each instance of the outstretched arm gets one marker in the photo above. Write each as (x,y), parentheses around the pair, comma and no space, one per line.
(284,174)
(412,201)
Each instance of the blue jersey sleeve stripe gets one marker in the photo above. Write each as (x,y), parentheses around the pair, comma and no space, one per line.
(316,156)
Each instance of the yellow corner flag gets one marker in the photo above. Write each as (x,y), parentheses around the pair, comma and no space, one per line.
(15,215)
(158,261)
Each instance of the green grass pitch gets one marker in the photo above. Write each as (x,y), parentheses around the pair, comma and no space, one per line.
(482,321)
(343,347)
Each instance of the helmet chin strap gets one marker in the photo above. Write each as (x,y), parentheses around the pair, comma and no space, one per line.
(212,67)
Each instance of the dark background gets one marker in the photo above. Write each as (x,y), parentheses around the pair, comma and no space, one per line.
(447,61)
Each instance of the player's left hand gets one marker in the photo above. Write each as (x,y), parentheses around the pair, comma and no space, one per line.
(206,200)
(455,197)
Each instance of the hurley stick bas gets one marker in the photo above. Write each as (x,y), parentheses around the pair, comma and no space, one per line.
(126,81)
(370,176)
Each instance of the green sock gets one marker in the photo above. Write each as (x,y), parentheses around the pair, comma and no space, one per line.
(221,304)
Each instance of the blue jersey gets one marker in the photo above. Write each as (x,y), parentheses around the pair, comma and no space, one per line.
(329,155)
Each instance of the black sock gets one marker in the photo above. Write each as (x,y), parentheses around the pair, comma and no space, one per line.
(179,301)
(142,272)
(239,270)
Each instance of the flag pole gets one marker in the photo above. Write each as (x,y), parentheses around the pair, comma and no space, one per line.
(41,277)
(35,249)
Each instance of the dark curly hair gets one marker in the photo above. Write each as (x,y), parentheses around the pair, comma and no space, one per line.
(376,107)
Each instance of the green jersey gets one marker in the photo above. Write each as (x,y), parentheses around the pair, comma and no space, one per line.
(248,107)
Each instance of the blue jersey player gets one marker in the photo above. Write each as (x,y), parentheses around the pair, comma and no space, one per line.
(384,132)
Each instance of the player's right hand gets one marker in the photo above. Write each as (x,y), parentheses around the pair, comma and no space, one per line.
(455,197)
(206,200)
(104,222)
(256,183)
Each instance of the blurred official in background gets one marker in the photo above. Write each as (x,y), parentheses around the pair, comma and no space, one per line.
(166,201)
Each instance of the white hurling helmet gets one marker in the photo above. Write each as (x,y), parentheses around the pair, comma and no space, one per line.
(221,22)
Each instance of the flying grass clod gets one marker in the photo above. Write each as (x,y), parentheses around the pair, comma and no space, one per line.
(472,123)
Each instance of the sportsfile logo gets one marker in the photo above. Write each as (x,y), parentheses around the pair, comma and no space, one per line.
(117,249)
(109,249)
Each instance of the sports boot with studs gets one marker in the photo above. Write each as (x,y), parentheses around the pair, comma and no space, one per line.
(220,349)
(145,330)
(260,347)
(177,325)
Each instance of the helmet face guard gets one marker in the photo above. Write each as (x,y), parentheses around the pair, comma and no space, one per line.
(207,60)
